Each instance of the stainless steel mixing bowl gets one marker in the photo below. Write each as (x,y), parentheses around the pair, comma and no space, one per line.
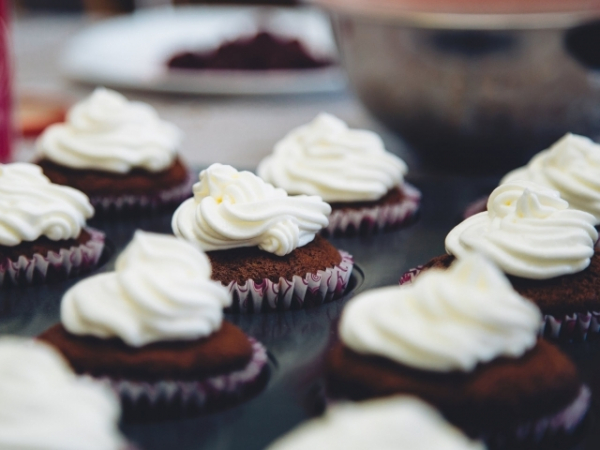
(473,92)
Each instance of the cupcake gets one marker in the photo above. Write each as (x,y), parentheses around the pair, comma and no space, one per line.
(402,423)
(571,167)
(45,406)
(43,237)
(154,330)
(263,244)
(545,248)
(463,340)
(117,152)
(349,169)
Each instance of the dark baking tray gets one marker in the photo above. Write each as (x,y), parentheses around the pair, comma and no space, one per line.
(297,340)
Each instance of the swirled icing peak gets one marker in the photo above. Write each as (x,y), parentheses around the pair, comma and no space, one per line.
(572,167)
(107,132)
(529,232)
(238,209)
(45,406)
(327,158)
(446,320)
(161,291)
(31,206)
(395,423)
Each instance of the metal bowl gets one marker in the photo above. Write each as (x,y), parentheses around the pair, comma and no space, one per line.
(473,92)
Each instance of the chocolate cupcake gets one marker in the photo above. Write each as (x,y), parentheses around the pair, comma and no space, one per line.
(42,229)
(261,242)
(154,330)
(463,340)
(117,152)
(545,248)
(402,423)
(349,169)
(45,406)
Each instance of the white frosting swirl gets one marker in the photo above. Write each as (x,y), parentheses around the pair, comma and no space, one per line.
(572,167)
(31,206)
(161,291)
(107,132)
(327,158)
(395,423)
(446,320)
(529,232)
(45,406)
(238,209)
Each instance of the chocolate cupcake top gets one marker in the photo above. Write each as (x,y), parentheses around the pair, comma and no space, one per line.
(233,209)
(402,423)
(327,158)
(572,167)
(529,232)
(107,132)
(161,291)
(31,206)
(445,321)
(45,406)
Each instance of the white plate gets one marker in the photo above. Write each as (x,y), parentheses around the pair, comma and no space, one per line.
(131,52)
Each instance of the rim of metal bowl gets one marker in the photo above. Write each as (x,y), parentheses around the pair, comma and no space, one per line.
(386,11)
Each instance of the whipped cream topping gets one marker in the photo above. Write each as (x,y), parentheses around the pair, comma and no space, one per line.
(238,209)
(31,206)
(327,158)
(395,423)
(529,232)
(161,291)
(572,167)
(109,133)
(446,320)
(45,406)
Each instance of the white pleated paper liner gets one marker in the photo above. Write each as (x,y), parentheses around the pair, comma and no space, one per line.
(172,398)
(567,327)
(301,292)
(370,220)
(53,266)
(126,204)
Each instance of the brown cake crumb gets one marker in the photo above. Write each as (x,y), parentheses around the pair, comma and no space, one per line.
(42,246)
(393,196)
(222,352)
(251,263)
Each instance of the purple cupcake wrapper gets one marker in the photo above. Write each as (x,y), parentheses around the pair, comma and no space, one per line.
(67,262)
(200,394)
(310,290)
(123,203)
(566,327)
(370,220)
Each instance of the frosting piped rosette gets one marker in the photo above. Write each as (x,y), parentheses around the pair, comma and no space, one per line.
(107,132)
(45,406)
(446,320)
(139,307)
(572,167)
(529,231)
(402,423)
(233,209)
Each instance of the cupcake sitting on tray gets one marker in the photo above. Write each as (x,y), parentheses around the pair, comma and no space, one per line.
(154,329)
(263,244)
(545,248)
(119,153)
(43,237)
(350,169)
(463,340)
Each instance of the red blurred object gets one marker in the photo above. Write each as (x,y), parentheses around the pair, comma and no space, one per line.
(5,79)
(35,113)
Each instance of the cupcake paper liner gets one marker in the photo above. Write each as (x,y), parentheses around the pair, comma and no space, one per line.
(300,292)
(200,395)
(367,221)
(476,207)
(109,205)
(566,327)
(53,266)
